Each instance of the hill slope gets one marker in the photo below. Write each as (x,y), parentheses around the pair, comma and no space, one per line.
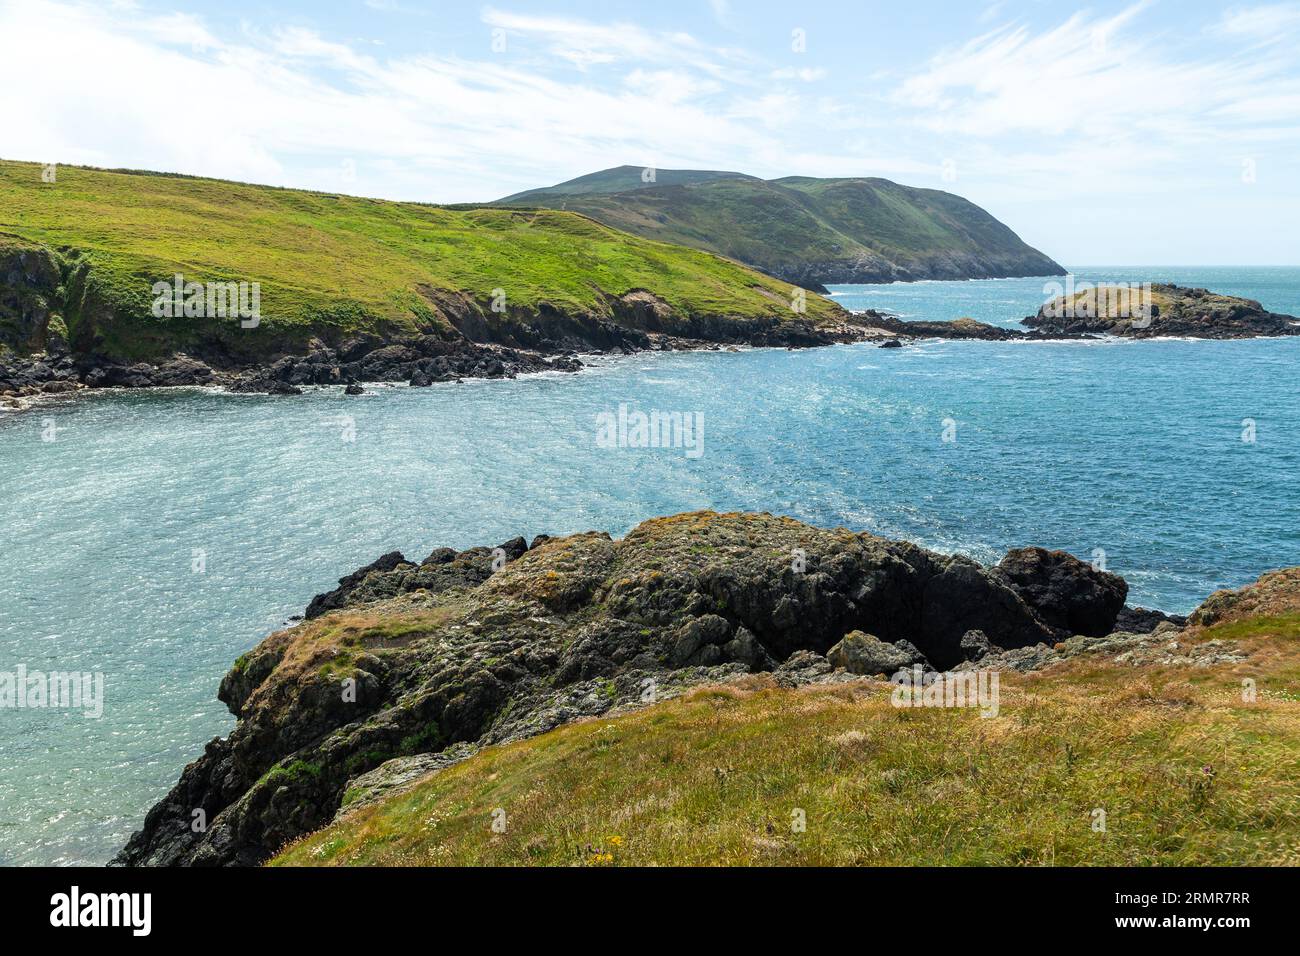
(804,230)
(84,251)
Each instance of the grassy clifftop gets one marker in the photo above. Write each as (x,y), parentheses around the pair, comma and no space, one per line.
(331,265)
(1186,772)
(804,229)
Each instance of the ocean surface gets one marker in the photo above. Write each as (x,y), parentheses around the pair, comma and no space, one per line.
(160,535)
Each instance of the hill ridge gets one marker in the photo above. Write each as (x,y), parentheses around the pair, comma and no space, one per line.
(806,230)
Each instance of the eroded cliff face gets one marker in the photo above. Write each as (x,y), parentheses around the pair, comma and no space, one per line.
(30,292)
(872,267)
(418,661)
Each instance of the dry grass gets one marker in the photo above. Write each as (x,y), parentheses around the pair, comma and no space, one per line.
(1186,771)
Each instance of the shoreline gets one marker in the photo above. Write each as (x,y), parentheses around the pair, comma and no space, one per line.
(579,361)
(417,362)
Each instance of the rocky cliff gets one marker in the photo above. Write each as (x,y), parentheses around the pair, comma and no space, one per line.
(408,664)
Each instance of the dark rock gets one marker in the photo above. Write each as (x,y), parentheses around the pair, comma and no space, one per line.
(913,653)
(698,634)
(975,645)
(183,370)
(514,548)
(745,649)
(332,600)
(1141,620)
(891,344)
(1069,595)
(354,389)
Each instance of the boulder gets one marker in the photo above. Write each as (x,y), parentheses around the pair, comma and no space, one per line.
(1069,595)
(862,653)
(1141,620)
(975,645)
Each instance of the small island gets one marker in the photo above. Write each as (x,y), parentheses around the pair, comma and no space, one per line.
(1144,311)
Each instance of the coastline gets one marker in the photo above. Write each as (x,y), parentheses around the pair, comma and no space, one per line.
(418,361)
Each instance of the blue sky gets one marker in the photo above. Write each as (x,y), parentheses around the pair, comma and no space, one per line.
(1165,131)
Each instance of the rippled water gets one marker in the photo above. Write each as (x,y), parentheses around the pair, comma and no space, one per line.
(1134,448)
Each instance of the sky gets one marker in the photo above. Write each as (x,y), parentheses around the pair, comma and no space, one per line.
(1125,133)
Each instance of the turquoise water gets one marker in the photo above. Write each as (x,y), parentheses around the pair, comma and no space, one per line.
(1006,301)
(1133,448)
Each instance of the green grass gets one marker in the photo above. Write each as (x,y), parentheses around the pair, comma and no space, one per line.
(784,225)
(1186,771)
(338,263)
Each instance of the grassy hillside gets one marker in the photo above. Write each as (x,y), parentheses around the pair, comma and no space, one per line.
(803,229)
(625,178)
(332,264)
(1187,773)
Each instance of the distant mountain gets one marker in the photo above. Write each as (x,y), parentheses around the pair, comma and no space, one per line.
(803,230)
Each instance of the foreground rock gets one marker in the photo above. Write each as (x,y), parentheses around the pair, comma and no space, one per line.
(405,659)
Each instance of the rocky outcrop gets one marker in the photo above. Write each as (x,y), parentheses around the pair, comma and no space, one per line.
(418,360)
(29,290)
(469,648)
(1069,595)
(963,328)
(1275,593)
(1170,310)
(860,653)
(61,330)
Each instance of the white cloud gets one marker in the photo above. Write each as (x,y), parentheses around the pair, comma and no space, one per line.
(1101,81)
(289,106)
(584,43)
(1271,23)
(807,74)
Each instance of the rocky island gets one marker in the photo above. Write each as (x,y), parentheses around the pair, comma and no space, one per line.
(421,698)
(1161,310)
